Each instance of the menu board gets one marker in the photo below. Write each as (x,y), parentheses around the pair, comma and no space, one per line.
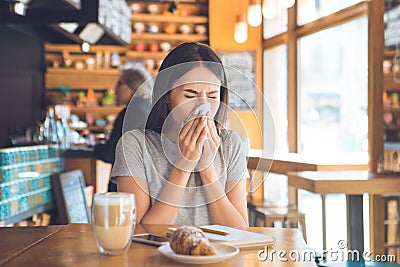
(70,197)
(392,25)
(240,73)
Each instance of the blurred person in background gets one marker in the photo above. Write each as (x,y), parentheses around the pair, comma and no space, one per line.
(130,80)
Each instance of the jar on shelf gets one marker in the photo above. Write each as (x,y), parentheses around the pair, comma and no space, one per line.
(115,60)
(91,100)
(395,100)
(153,47)
(150,64)
(136,8)
(139,27)
(185,28)
(200,29)
(170,27)
(140,47)
(153,9)
(386,99)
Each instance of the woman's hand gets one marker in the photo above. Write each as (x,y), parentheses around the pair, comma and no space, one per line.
(190,144)
(210,147)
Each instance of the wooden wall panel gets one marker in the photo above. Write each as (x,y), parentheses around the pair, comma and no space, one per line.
(222,18)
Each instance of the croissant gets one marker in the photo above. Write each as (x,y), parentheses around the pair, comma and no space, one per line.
(190,240)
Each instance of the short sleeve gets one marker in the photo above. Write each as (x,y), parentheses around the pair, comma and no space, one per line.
(129,155)
(237,162)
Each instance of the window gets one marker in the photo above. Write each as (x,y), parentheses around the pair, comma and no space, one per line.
(310,10)
(320,99)
(333,92)
(275,86)
(276,25)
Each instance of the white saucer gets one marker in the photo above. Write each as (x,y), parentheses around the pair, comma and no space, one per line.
(223,252)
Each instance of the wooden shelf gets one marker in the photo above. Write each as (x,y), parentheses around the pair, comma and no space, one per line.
(145,55)
(168,18)
(77,48)
(81,79)
(99,110)
(391,109)
(84,71)
(392,127)
(390,53)
(27,214)
(389,83)
(169,37)
(93,128)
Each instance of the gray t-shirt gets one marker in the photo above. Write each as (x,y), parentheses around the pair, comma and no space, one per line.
(147,155)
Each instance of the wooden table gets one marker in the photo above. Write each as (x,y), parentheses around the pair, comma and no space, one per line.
(353,184)
(290,162)
(294,162)
(74,245)
(14,241)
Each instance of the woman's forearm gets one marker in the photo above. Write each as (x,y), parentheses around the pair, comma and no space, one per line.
(222,211)
(166,206)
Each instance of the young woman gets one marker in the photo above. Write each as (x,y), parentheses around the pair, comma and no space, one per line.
(185,168)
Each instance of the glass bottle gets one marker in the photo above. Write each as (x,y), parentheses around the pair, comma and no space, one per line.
(50,126)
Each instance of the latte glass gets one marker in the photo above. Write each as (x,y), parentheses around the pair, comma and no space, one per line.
(113,221)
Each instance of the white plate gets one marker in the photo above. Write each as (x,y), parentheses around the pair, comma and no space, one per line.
(223,252)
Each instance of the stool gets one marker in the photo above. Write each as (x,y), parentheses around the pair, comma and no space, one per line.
(288,216)
(252,206)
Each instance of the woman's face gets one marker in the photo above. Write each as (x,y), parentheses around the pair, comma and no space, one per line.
(196,87)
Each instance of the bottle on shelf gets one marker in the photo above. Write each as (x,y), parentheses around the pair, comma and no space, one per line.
(99,60)
(67,60)
(50,128)
(81,100)
(395,100)
(115,60)
(380,166)
(107,60)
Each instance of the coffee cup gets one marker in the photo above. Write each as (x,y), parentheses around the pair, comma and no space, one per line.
(113,221)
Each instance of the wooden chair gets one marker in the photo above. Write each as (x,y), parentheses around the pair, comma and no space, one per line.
(289,217)
(267,213)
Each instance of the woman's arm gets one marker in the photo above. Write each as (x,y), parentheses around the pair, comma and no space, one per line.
(227,203)
(227,206)
(165,208)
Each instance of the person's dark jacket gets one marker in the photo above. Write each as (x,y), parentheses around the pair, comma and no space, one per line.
(138,111)
(106,152)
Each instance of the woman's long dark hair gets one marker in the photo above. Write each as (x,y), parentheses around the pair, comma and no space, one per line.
(194,55)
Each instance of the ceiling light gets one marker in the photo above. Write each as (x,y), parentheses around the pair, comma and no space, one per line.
(19,7)
(288,3)
(240,34)
(269,9)
(254,15)
(85,47)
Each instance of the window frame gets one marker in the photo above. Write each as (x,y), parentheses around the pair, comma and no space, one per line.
(373,10)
